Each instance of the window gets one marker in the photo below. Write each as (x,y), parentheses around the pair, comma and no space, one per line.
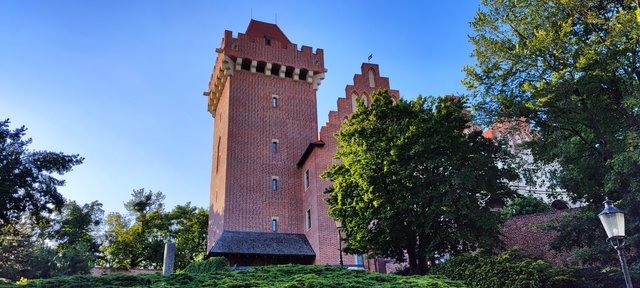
(274,145)
(306,179)
(354,103)
(274,101)
(218,154)
(372,82)
(274,183)
(274,224)
(359,260)
(308,219)
(267,41)
(364,99)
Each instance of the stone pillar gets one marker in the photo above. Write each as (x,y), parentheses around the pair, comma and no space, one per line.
(169,258)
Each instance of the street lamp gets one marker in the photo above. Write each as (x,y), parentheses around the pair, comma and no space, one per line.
(339,226)
(613,221)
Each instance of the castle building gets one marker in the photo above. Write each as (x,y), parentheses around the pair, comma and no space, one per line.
(267,199)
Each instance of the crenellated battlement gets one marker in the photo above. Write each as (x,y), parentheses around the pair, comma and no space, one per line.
(263,49)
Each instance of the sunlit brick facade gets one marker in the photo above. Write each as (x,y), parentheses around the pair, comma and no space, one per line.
(267,198)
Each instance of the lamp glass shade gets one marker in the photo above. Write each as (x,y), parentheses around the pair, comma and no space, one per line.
(612,220)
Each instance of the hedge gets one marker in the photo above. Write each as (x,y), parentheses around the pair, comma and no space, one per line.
(289,276)
(508,269)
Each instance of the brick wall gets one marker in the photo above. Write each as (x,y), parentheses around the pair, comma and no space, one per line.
(521,232)
(323,236)
(242,198)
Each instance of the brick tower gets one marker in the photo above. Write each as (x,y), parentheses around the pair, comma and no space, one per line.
(262,95)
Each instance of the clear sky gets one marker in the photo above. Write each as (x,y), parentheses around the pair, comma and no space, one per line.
(121,82)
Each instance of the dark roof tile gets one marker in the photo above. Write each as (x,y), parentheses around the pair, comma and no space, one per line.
(262,243)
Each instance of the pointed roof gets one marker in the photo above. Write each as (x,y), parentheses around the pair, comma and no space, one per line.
(261,29)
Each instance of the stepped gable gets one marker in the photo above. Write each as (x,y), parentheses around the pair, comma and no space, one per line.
(317,158)
(363,85)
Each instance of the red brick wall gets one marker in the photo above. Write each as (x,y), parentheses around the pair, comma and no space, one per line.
(521,232)
(245,122)
(323,236)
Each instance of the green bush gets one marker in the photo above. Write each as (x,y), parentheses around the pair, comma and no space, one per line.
(290,276)
(524,206)
(508,269)
(211,265)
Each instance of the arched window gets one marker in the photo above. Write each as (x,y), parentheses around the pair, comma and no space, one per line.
(353,101)
(372,81)
(364,99)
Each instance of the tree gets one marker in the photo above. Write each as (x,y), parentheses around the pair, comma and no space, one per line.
(415,178)
(525,205)
(189,231)
(75,231)
(137,243)
(24,253)
(26,181)
(572,69)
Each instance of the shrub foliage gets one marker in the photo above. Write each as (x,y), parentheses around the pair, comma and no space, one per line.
(508,269)
(525,205)
(211,265)
(290,276)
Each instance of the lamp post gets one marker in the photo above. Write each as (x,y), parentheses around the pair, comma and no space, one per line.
(613,221)
(339,226)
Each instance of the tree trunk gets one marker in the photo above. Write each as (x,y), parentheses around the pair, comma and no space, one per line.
(413,264)
(422,262)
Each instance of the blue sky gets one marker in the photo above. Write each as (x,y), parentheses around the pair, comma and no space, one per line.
(121,82)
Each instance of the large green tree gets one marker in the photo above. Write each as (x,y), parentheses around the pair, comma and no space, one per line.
(572,68)
(27,182)
(189,231)
(75,231)
(137,240)
(415,177)
(24,252)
